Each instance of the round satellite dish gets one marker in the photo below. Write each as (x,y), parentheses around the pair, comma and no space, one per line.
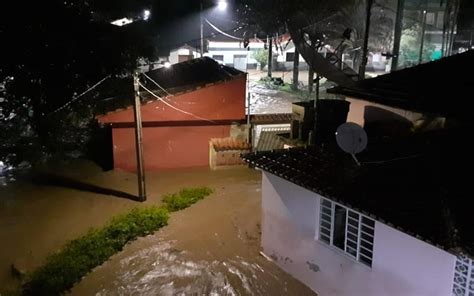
(351,138)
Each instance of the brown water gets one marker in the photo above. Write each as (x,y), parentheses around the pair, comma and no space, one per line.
(211,248)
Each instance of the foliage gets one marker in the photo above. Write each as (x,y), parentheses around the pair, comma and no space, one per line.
(65,268)
(185,198)
(261,56)
(410,47)
(56,50)
(80,256)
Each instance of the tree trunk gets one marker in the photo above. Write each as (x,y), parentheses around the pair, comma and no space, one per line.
(310,80)
(398,34)
(296,71)
(270,56)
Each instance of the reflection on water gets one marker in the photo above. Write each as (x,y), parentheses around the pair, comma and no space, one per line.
(268,101)
(164,270)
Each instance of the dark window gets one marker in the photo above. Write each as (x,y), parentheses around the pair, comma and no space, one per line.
(218,57)
(290,56)
(339,232)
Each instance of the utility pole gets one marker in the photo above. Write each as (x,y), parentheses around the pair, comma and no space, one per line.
(202,30)
(270,56)
(422,43)
(398,34)
(365,49)
(139,139)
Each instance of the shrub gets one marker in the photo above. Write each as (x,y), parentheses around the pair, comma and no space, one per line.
(185,198)
(63,269)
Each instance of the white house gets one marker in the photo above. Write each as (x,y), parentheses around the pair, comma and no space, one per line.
(343,231)
(183,54)
(232,52)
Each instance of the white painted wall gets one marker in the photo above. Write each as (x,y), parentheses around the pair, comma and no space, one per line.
(402,265)
(229,49)
(174,55)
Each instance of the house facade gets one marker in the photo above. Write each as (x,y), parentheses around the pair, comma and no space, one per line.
(344,240)
(202,101)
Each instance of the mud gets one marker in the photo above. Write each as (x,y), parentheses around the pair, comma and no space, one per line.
(211,248)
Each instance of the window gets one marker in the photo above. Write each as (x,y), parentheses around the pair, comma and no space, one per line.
(347,230)
(290,56)
(430,18)
(463,283)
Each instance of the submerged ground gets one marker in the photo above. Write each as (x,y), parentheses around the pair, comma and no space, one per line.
(211,248)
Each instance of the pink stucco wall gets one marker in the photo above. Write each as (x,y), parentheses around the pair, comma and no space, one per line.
(166,147)
(402,265)
(174,139)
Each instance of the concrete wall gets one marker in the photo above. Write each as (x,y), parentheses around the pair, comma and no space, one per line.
(166,147)
(402,265)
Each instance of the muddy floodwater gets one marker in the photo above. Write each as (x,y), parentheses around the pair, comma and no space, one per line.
(211,248)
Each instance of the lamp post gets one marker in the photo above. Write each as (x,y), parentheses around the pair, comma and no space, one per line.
(221,5)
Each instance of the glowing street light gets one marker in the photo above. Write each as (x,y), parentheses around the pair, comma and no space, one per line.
(222,5)
(146,14)
(167,64)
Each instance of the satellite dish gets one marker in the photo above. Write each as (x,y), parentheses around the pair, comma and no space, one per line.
(351,138)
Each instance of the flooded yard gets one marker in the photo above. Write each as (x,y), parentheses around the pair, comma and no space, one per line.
(211,248)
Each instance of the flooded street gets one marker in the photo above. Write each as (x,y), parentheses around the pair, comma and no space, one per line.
(211,248)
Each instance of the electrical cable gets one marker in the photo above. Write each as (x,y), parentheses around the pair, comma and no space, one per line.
(173,107)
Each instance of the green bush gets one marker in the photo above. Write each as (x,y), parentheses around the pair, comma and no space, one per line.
(65,268)
(185,198)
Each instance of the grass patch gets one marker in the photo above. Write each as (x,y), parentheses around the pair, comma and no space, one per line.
(185,198)
(78,257)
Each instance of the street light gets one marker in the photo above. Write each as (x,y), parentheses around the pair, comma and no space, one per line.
(221,5)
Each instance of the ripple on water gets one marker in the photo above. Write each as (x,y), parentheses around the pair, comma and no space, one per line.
(163,270)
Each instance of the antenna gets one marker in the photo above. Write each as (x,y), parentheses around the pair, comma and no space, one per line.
(351,138)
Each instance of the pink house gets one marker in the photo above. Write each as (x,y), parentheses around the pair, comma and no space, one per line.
(202,101)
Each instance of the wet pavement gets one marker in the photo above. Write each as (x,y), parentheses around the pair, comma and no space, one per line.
(211,248)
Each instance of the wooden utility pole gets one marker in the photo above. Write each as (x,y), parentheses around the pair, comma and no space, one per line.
(139,139)
(365,49)
(398,34)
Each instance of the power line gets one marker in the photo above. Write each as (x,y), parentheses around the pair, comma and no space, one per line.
(173,107)
(156,83)
(79,96)
(222,32)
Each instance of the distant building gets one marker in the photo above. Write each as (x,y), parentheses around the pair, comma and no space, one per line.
(201,100)
(232,52)
(183,54)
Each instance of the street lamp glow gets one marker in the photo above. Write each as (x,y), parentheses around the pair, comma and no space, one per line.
(222,5)
(146,14)
(167,64)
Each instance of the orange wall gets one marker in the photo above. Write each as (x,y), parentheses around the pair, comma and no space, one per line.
(166,147)
(222,101)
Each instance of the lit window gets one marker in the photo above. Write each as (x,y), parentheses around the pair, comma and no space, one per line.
(347,230)
(463,282)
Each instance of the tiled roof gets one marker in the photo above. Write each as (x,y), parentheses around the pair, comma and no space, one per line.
(228,144)
(179,78)
(270,140)
(416,184)
(441,87)
(271,118)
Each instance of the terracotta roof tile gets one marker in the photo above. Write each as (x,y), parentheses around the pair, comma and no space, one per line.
(227,144)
